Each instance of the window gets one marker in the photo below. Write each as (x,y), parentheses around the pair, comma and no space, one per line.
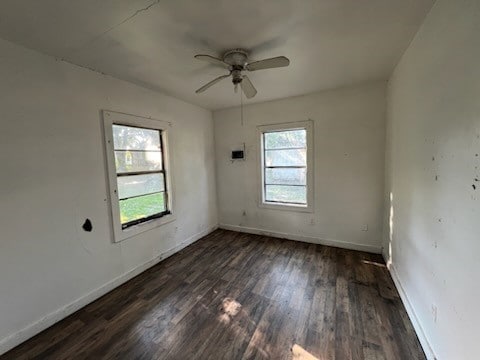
(142,193)
(138,173)
(286,166)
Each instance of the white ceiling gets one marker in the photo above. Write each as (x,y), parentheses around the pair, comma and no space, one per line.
(330,43)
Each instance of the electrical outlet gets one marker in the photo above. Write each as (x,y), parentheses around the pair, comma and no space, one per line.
(365,227)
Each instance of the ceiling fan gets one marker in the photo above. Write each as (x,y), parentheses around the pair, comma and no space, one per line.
(236,61)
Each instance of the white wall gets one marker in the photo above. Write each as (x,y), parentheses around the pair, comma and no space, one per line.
(349,134)
(433,162)
(52,177)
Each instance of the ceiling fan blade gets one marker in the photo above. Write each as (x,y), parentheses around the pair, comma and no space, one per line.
(212,60)
(279,61)
(213,82)
(248,88)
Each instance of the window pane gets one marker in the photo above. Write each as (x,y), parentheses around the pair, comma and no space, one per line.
(287,176)
(128,161)
(132,138)
(135,185)
(286,194)
(141,207)
(286,139)
(296,157)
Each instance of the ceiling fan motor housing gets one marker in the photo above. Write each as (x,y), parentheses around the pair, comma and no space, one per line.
(236,58)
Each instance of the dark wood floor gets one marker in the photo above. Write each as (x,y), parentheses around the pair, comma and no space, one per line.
(239,296)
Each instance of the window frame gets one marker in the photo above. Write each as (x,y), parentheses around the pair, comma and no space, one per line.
(111,118)
(262,202)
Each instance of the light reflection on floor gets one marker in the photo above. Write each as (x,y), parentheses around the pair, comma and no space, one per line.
(230,314)
(300,353)
(373,263)
(230,308)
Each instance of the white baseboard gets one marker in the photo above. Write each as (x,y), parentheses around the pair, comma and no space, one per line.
(427,348)
(304,238)
(36,327)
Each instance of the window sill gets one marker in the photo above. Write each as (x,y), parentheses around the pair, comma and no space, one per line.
(287,207)
(142,227)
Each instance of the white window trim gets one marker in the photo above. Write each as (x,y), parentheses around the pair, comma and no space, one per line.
(308,125)
(110,118)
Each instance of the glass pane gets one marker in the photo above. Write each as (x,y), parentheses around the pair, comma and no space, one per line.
(132,138)
(286,176)
(297,157)
(128,161)
(135,185)
(286,139)
(286,194)
(141,207)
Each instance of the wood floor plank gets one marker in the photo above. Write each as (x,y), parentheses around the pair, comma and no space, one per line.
(240,296)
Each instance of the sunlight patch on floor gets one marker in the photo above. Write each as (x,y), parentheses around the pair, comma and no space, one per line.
(230,308)
(300,353)
(373,263)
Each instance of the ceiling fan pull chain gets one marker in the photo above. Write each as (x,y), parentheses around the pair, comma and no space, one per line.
(241,108)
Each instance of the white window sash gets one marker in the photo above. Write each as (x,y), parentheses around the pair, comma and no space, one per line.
(110,118)
(308,126)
